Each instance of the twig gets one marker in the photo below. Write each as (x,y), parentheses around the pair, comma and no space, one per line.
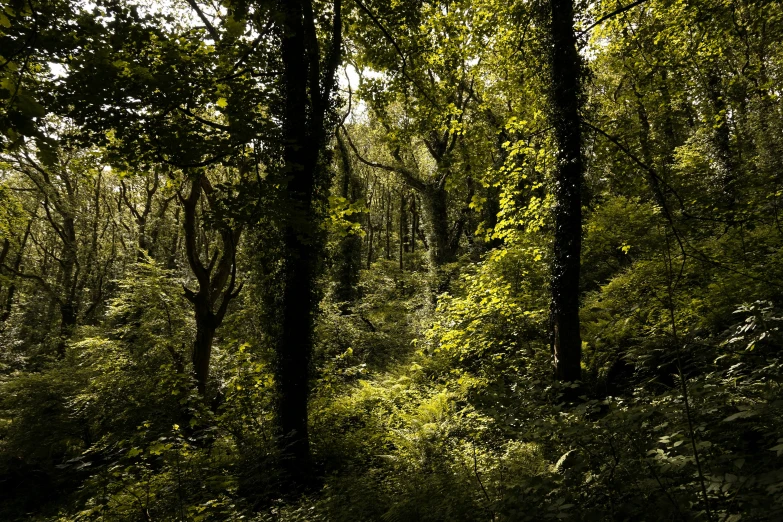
(614,13)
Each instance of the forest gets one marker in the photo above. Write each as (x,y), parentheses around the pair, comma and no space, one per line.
(391,260)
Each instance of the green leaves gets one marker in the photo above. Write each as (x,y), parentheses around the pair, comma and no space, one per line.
(343,216)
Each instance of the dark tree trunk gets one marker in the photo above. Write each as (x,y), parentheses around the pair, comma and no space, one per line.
(152,242)
(202,346)
(216,281)
(307,90)
(370,234)
(67,324)
(565,103)
(646,149)
(144,247)
(171,264)
(141,215)
(294,346)
(436,226)
(4,251)
(490,212)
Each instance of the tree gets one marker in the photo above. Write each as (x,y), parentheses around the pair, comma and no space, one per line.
(350,245)
(308,85)
(68,188)
(425,108)
(216,280)
(565,99)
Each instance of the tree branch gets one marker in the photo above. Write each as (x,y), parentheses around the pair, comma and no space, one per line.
(210,28)
(408,176)
(614,13)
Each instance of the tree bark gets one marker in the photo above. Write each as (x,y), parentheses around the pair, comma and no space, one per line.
(565,104)
(436,226)
(308,86)
(202,346)
(441,248)
(216,281)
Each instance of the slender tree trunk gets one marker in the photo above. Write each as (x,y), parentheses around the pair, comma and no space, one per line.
(9,297)
(172,258)
(215,281)
(144,248)
(388,224)
(68,305)
(67,324)
(646,148)
(370,239)
(370,236)
(404,238)
(414,222)
(4,251)
(565,104)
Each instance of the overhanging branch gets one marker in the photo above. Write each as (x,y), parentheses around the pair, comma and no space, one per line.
(611,15)
(408,176)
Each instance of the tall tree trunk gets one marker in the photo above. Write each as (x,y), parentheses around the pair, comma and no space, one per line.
(646,148)
(370,234)
(307,88)
(294,346)
(171,263)
(565,103)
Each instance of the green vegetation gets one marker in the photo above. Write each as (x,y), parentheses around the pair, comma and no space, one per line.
(360,260)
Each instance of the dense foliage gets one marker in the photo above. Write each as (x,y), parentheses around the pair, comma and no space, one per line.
(359,260)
